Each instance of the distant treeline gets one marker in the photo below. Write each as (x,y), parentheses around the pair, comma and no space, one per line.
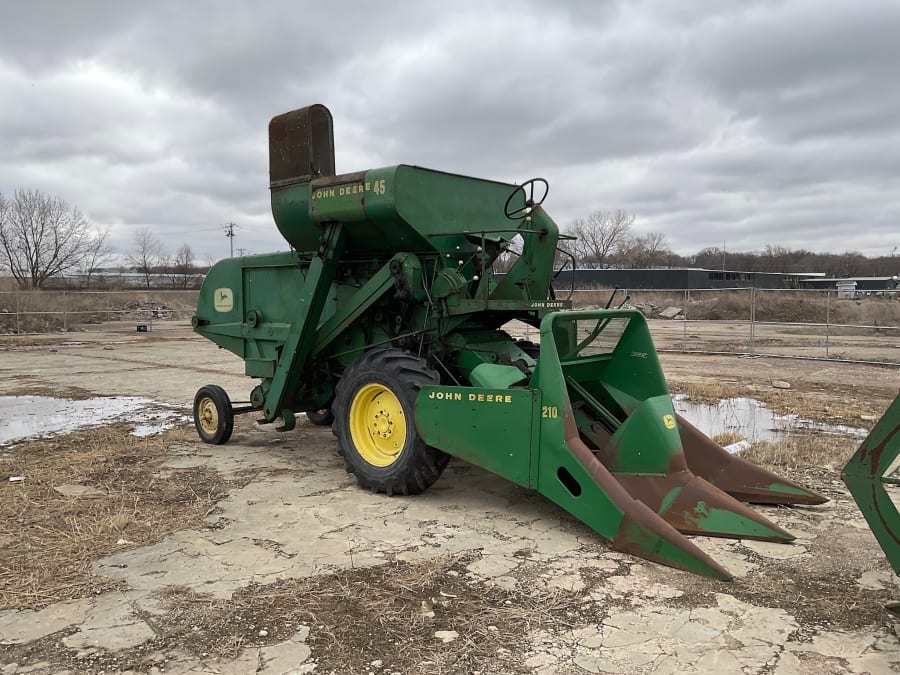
(779,259)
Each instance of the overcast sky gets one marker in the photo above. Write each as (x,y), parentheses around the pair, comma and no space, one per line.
(748,123)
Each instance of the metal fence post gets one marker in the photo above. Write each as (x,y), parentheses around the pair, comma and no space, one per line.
(18,322)
(827,322)
(753,319)
(685,295)
(65,311)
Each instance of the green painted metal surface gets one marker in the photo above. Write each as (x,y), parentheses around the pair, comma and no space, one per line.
(403,257)
(491,428)
(866,477)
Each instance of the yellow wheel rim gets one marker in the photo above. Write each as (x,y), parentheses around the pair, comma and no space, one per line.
(377,424)
(208,416)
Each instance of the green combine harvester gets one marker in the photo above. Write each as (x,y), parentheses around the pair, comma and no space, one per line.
(386,320)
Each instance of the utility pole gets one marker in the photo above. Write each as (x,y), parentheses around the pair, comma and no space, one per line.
(229,232)
(241,252)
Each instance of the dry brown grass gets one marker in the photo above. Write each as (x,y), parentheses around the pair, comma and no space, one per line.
(706,392)
(381,612)
(390,613)
(50,540)
(833,404)
(800,450)
(727,438)
(803,451)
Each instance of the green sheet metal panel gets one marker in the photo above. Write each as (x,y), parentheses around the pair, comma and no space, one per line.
(491,428)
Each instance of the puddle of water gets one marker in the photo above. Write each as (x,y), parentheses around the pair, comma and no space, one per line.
(30,416)
(752,420)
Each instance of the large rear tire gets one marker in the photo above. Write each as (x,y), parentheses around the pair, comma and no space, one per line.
(374,421)
(213,415)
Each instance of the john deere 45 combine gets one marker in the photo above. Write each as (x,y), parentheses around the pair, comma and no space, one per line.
(385,319)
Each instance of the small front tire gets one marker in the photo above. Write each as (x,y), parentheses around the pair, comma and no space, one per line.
(213,415)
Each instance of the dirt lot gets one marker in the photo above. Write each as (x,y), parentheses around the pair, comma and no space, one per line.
(161,554)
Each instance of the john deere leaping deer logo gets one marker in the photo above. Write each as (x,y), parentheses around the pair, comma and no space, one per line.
(223,300)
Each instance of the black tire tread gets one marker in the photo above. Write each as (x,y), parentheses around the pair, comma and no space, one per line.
(425,464)
(321,419)
(533,349)
(225,410)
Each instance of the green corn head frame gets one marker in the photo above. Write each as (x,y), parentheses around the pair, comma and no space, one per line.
(866,477)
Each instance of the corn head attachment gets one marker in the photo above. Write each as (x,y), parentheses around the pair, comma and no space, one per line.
(386,320)
(867,477)
(594,430)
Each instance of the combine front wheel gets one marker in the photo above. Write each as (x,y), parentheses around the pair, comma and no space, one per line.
(374,410)
(213,414)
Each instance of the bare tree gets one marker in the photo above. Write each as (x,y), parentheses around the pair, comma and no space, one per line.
(42,237)
(647,250)
(146,254)
(183,266)
(99,255)
(599,235)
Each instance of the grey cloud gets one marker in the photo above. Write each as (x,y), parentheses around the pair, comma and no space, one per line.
(751,122)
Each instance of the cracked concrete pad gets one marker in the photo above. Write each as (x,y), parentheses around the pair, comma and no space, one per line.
(729,554)
(788,664)
(284,658)
(879,580)
(22,626)
(874,663)
(731,637)
(776,551)
(755,625)
(282,526)
(248,661)
(493,566)
(838,644)
(111,625)
(838,651)
(77,490)
(232,460)
(594,664)
(719,661)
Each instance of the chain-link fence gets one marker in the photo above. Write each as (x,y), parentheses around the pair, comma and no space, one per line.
(794,323)
(49,311)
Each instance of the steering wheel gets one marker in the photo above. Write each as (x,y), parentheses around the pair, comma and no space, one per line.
(527,189)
